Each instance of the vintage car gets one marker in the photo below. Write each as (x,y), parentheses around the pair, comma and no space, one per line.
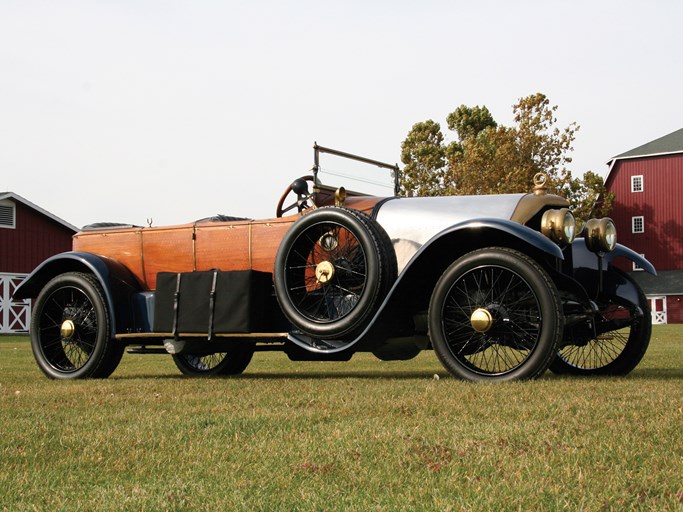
(496,285)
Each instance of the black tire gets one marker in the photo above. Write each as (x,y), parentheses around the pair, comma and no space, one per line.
(524,321)
(362,268)
(612,352)
(233,362)
(70,329)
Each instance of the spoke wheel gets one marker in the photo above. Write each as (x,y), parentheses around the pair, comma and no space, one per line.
(620,346)
(70,334)
(495,315)
(233,362)
(332,269)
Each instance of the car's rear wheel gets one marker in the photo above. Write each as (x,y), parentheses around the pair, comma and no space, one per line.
(70,330)
(624,335)
(495,314)
(332,270)
(233,362)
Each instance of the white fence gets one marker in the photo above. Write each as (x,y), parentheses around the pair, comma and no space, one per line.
(15,315)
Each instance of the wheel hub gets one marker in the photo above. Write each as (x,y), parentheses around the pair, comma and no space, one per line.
(324,272)
(68,329)
(481,320)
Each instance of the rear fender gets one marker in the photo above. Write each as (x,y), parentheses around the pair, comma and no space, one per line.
(118,283)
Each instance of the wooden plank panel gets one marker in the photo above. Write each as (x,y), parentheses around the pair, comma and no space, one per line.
(364,204)
(124,246)
(223,246)
(265,241)
(167,250)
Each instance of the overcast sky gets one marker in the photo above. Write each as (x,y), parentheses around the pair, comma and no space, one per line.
(135,109)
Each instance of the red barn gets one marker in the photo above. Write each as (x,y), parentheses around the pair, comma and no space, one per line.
(648,184)
(28,235)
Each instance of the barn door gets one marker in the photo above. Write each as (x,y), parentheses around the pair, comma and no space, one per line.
(14,315)
(658,308)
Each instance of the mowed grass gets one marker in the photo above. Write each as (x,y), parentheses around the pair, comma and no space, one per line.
(362,435)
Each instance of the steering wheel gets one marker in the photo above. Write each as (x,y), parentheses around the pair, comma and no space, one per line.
(300,188)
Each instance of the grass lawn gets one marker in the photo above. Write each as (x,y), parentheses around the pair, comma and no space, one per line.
(362,435)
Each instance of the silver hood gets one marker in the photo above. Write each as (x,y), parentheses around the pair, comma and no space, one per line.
(411,222)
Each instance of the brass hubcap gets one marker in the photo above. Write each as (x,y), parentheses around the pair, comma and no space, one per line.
(68,329)
(324,272)
(481,320)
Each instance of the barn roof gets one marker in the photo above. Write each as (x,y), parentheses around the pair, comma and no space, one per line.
(671,143)
(668,145)
(18,198)
(666,282)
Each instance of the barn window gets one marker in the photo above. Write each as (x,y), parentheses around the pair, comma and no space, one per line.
(7,214)
(637,183)
(638,224)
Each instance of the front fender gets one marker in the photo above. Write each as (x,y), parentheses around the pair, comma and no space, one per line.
(412,290)
(584,258)
(487,232)
(630,254)
(517,231)
(118,283)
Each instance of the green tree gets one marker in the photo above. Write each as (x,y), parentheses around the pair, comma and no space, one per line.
(588,196)
(470,121)
(423,154)
(488,158)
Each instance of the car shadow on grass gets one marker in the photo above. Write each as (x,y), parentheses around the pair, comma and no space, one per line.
(657,374)
(412,375)
(646,374)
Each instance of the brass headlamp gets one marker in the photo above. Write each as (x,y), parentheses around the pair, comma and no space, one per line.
(559,226)
(600,235)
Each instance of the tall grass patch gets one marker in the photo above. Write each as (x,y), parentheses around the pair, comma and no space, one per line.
(362,435)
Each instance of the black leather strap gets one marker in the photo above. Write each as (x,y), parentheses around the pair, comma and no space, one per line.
(176,303)
(212,303)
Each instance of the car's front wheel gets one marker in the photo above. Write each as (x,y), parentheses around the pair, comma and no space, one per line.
(70,329)
(495,315)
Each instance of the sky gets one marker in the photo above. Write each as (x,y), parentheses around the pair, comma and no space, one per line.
(169,111)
